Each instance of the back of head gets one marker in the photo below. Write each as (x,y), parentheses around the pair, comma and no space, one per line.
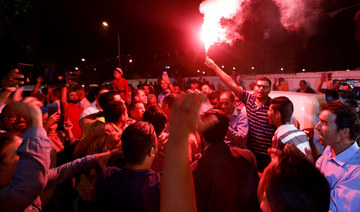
(346,117)
(284,106)
(137,141)
(295,184)
(169,99)
(156,117)
(216,133)
(112,105)
(214,95)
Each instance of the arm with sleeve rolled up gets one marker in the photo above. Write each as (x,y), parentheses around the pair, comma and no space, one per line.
(226,79)
(30,176)
(67,171)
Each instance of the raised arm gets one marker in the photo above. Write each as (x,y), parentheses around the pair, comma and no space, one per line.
(226,79)
(37,86)
(178,192)
(30,176)
(167,80)
(9,85)
(64,103)
(85,142)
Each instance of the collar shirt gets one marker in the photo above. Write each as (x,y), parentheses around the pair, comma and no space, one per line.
(343,175)
(238,129)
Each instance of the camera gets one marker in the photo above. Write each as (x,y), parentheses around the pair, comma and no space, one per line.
(349,96)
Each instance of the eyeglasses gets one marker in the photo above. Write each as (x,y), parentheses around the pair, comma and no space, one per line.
(12,116)
(262,86)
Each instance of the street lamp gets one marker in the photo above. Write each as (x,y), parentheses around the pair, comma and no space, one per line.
(105,24)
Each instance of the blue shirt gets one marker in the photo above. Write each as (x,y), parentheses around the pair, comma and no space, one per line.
(32,174)
(238,129)
(343,174)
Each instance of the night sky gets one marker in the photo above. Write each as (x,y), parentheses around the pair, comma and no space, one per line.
(58,33)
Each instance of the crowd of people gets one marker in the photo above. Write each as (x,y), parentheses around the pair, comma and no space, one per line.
(176,147)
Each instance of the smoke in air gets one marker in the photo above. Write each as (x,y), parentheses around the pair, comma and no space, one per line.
(224,18)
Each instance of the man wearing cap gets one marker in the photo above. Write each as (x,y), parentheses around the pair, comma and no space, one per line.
(120,84)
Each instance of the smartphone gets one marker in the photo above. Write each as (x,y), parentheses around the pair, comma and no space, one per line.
(26,70)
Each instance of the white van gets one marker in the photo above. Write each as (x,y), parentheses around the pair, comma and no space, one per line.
(307,108)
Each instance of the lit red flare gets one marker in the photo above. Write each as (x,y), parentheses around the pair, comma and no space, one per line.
(215,12)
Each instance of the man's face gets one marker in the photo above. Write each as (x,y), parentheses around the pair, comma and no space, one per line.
(271,115)
(177,89)
(81,93)
(302,85)
(141,97)
(215,103)
(206,89)
(117,75)
(14,122)
(327,129)
(152,100)
(146,89)
(226,105)
(336,85)
(194,86)
(164,85)
(73,96)
(138,112)
(262,89)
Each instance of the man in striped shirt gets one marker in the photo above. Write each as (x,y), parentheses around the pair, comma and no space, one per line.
(257,104)
(280,112)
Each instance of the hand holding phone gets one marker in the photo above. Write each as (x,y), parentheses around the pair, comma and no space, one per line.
(12,81)
(25,70)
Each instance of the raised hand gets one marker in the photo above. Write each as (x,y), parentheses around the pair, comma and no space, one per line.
(28,108)
(10,82)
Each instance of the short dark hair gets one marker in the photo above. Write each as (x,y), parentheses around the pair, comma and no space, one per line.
(194,81)
(284,106)
(137,141)
(156,117)
(169,99)
(133,104)
(214,95)
(264,79)
(113,109)
(303,81)
(216,133)
(346,117)
(295,184)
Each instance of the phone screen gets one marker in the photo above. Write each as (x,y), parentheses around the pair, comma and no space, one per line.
(26,70)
